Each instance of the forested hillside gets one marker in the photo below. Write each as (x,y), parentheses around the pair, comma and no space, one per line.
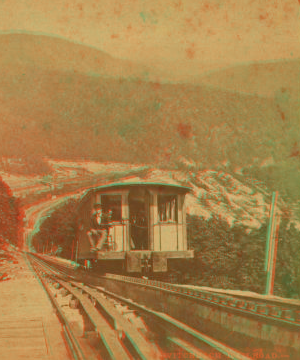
(11,217)
(79,108)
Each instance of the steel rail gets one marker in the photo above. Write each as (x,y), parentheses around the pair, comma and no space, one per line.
(271,310)
(180,327)
(265,309)
(74,347)
(109,335)
(189,335)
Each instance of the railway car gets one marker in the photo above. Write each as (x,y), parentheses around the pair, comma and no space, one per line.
(139,227)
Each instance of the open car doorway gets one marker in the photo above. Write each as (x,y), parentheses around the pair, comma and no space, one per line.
(139,219)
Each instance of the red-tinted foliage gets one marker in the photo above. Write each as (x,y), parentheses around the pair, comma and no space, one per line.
(57,232)
(11,216)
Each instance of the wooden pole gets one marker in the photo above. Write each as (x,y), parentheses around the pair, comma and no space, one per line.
(72,250)
(77,244)
(270,247)
(274,253)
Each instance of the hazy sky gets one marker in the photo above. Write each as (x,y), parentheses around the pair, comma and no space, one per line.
(185,31)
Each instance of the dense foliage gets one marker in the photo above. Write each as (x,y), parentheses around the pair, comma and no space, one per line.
(230,258)
(11,216)
(225,257)
(57,232)
(287,279)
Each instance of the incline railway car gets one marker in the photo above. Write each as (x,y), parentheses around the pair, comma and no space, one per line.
(136,226)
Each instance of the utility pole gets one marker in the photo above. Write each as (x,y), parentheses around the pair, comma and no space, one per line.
(76,258)
(274,252)
(72,250)
(270,247)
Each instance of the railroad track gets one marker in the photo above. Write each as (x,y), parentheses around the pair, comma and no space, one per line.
(108,333)
(241,321)
(273,310)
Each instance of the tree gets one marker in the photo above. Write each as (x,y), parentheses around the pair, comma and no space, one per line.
(11,216)
(57,232)
(228,257)
(217,249)
(287,275)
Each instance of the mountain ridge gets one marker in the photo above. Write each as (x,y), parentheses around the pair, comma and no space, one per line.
(55,53)
(46,110)
(267,78)
(58,53)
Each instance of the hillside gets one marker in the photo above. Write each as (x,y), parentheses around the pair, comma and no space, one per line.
(56,54)
(219,194)
(213,193)
(267,79)
(122,120)
(66,101)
